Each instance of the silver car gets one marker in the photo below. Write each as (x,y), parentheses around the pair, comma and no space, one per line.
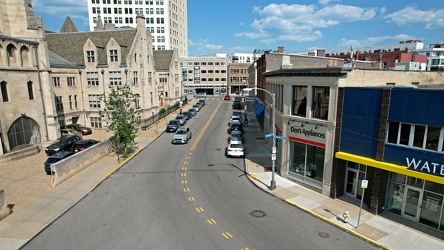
(182,119)
(182,136)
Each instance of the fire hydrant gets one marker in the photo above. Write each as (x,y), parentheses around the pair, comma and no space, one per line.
(345,215)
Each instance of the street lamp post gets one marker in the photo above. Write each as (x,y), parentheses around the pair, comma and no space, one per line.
(273,162)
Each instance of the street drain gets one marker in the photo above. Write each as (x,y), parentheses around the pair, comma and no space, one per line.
(324,235)
(258,213)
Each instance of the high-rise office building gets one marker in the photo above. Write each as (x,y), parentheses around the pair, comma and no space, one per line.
(165,19)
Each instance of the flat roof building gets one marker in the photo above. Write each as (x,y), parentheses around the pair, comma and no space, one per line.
(166,20)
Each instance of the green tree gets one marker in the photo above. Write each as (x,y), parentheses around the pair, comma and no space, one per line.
(121,114)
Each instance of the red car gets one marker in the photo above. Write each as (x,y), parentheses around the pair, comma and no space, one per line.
(227,97)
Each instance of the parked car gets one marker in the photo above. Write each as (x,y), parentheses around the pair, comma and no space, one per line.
(193,111)
(187,114)
(172,126)
(200,104)
(236,105)
(227,97)
(196,107)
(79,127)
(235,149)
(182,135)
(69,131)
(182,119)
(61,144)
(82,145)
(236,126)
(202,101)
(56,158)
(236,135)
(235,118)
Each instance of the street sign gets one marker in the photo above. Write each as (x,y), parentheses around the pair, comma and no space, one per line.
(268,135)
(273,150)
(280,137)
(273,157)
(364,184)
(250,99)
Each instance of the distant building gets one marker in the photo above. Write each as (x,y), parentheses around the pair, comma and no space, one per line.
(397,56)
(435,54)
(238,77)
(166,20)
(205,75)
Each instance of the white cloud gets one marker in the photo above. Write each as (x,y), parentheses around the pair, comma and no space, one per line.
(371,41)
(325,2)
(296,22)
(213,46)
(75,9)
(433,18)
(251,35)
(68,8)
(345,13)
(201,42)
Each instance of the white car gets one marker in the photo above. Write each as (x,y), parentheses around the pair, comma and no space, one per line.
(235,149)
(182,136)
(235,118)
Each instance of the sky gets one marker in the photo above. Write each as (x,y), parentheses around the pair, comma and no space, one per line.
(242,26)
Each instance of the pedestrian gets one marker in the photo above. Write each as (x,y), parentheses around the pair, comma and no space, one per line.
(180,111)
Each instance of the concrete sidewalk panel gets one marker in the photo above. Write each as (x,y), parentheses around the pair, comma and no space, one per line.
(305,202)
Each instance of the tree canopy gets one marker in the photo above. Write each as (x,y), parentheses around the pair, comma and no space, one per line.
(121,113)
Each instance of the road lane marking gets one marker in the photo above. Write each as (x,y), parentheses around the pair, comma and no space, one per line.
(191,199)
(186,163)
(184,168)
(204,128)
(186,190)
(184,182)
(183,174)
(211,221)
(199,209)
(227,235)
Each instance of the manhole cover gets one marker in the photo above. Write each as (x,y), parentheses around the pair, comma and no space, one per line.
(210,165)
(324,235)
(258,213)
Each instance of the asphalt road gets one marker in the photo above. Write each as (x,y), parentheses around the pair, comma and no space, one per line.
(188,197)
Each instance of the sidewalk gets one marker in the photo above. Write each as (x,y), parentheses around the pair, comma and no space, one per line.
(37,205)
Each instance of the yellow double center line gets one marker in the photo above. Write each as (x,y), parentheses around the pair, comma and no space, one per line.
(204,128)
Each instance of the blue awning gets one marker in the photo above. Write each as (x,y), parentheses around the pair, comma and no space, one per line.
(260,111)
(256,104)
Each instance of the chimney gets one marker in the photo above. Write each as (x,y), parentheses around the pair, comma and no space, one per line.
(281,50)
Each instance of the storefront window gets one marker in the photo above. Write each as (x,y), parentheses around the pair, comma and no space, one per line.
(298,156)
(416,182)
(308,160)
(395,194)
(431,209)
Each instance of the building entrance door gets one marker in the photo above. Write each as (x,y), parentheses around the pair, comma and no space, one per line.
(353,180)
(412,203)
